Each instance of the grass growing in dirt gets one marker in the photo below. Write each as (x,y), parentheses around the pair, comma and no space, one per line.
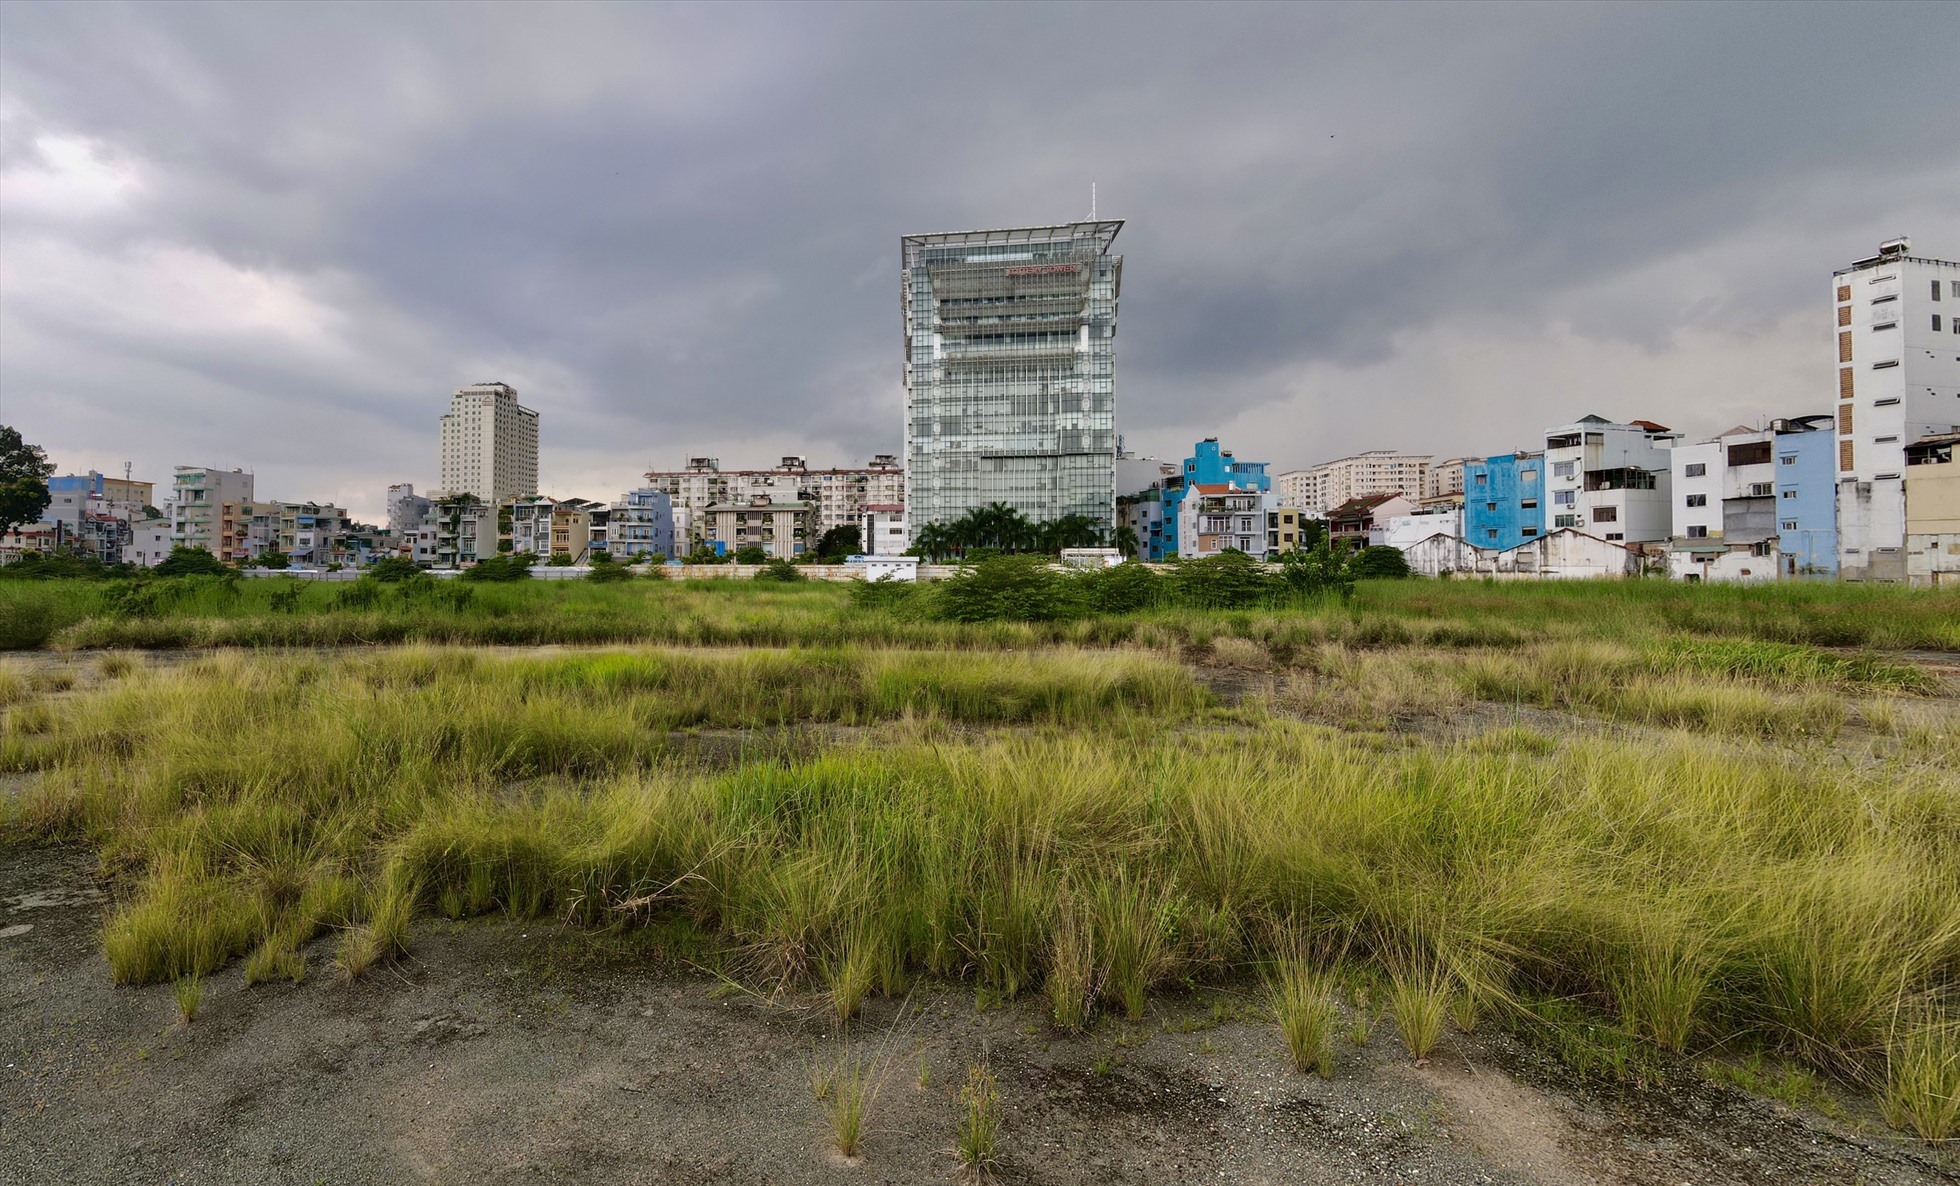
(207,611)
(1087,825)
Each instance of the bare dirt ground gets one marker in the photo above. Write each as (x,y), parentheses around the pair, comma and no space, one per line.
(509,1053)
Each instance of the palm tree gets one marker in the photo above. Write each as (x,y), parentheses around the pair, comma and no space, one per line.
(1126,541)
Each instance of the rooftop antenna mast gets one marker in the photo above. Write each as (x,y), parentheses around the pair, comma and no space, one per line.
(1092,201)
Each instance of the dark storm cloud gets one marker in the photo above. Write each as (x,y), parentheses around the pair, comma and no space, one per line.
(675,228)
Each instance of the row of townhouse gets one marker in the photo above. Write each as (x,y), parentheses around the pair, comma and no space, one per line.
(704,494)
(1209,503)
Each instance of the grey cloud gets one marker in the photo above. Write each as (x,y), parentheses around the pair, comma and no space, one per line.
(670,213)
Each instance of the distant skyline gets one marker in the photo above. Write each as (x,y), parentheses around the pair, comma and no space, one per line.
(279,237)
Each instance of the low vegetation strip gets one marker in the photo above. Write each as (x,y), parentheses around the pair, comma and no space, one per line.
(1124,839)
(1005,611)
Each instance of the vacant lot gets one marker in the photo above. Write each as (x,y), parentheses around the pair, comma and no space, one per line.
(1614,862)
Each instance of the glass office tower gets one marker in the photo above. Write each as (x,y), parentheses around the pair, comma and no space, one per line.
(1010,372)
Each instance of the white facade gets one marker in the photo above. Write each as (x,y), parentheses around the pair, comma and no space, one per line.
(881,530)
(489,444)
(198,492)
(886,568)
(1564,554)
(407,510)
(1444,482)
(149,543)
(1403,531)
(1215,517)
(1320,488)
(1610,480)
(839,495)
(1898,382)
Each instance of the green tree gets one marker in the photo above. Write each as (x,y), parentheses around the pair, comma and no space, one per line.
(751,554)
(24,473)
(390,570)
(1126,541)
(273,558)
(839,542)
(779,569)
(190,562)
(1379,561)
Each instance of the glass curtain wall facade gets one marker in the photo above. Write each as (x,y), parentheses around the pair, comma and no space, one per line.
(1010,372)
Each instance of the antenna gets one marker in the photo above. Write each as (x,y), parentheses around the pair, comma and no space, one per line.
(1092,201)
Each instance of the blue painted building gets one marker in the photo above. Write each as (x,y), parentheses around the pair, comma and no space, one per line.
(1504,499)
(1208,465)
(1806,496)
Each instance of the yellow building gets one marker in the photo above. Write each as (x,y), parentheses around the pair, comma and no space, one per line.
(1933,511)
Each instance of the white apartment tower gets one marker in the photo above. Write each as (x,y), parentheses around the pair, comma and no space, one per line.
(1898,349)
(489,444)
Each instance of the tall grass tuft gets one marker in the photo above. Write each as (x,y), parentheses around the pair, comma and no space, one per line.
(1921,1093)
(1072,984)
(847,1091)
(1302,1000)
(189,991)
(1418,1000)
(978,1145)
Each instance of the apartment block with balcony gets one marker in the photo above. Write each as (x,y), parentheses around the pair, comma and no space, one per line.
(1610,480)
(1318,489)
(839,495)
(313,534)
(785,530)
(466,530)
(1218,516)
(197,495)
(642,523)
(1723,518)
(247,530)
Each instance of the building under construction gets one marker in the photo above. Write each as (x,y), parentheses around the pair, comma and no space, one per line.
(1010,371)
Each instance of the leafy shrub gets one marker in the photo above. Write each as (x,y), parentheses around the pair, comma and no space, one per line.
(605,571)
(1123,589)
(391,569)
(185,562)
(1229,580)
(782,570)
(514,567)
(1379,561)
(1319,569)
(1017,588)
(751,554)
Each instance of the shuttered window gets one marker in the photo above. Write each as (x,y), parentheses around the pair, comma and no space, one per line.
(1844,314)
(1844,455)
(1844,383)
(1844,419)
(1844,346)
(1844,292)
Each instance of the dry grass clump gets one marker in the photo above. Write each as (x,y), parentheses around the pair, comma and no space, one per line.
(978,1144)
(189,993)
(1666,888)
(1302,1000)
(1921,1091)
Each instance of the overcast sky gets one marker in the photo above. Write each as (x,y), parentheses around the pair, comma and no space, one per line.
(276,236)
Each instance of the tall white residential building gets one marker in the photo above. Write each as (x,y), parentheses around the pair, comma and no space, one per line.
(1320,488)
(197,497)
(1898,351)
(489,444)
(839,495)
(1610,480)
(1443,484)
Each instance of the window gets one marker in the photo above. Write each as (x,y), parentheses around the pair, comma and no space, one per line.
(1887,325)
(1759,549)
(1483,479)
(1527,475)
(1936,323)
(1529,504)
(1565,521)
(1532,531)
(1696,469)
(1490,533)
(1606,514)
(1697,531)
(1884,440)
(1953,287)
(1884,299)
(1788,459)
(1490,506)
(1616,535)
(1697,500)
(1761,490)
(1790,493)
(1789,524)
(1564,498)
(1563,469)
(1751,453)
(1936,290)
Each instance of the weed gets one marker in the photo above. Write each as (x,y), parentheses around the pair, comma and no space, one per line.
(1302,999)
(1418,999)
(1921,1092)
(1071,981)
(189,991)
(979,1134)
